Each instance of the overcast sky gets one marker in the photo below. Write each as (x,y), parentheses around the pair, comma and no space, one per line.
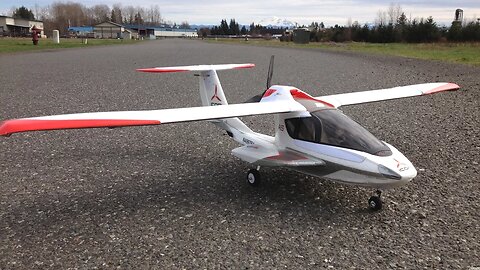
(330,12)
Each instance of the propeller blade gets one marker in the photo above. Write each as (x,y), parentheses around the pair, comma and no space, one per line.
(270,72)
(257,98)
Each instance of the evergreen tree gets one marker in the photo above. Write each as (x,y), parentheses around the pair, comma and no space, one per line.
(455,31)
(23,13)
(243,31)
(224,30)
(471,31)
(234,28)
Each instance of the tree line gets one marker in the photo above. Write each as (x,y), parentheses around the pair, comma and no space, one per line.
(233,29)
(410,31)
(393,25)
(390,26)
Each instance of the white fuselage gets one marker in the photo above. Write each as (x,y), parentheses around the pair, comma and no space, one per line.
(339,164)
(332,162)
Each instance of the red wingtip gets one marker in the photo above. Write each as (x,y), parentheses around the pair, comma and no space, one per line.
(446,87)
(21,125)
(5,129)
(245,66)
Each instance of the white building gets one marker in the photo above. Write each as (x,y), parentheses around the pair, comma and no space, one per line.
(175,32)
(18,27)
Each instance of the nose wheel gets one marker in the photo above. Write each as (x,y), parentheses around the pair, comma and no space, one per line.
(253,177)
(375,202)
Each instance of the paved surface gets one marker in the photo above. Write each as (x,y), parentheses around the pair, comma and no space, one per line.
(172,196)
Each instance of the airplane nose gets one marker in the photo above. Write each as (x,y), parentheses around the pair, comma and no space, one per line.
(409,174)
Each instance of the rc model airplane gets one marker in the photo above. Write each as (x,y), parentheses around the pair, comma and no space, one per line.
(312,135)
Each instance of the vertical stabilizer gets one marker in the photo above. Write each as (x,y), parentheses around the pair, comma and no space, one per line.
(211,91)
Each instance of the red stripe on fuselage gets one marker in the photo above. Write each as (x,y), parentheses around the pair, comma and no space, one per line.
(269,92)
(21,125)
(302,95)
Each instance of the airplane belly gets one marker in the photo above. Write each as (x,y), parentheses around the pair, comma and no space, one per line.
(358,168)
(347,175)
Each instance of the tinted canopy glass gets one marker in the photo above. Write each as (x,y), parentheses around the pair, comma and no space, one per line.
(332,127)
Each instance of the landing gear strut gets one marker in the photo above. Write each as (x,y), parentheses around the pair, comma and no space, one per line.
(253,177)
(375,202)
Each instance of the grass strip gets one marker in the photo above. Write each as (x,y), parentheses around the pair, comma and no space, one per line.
(13,45)
(464,53)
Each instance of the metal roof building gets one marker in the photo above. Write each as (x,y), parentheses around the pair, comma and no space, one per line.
(110,30)
(81,31)
(162,31)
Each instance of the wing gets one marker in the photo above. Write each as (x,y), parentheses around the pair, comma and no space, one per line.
(386,94)
(141,118)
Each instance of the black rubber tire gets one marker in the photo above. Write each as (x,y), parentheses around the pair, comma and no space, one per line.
(253,177)
(375,203)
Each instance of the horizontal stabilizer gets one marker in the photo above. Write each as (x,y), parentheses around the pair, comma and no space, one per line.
(386,94)
(196,68)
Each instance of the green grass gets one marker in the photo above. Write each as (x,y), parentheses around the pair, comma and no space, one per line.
(465,53)
(12,45)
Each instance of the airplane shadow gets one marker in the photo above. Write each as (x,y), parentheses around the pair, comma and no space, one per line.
(192,189)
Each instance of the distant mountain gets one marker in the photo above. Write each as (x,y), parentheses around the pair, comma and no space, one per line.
(199,26)
(276,22)
(273,22)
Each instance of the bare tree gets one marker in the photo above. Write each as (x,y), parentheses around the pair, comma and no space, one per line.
(117,13)
(44,13)
(139,15)
(128,13)
(154,16)
(12,11)
(63,15)
(36,11)
(381,18)
(394,12)
(185,25)
(101,13)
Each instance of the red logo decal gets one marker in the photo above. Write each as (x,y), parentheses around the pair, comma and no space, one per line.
(215,95)
(398,163)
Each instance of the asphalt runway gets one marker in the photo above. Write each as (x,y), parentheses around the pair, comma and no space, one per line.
(172,196)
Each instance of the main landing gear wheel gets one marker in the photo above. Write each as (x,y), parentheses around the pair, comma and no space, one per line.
(375,202)
(253,177)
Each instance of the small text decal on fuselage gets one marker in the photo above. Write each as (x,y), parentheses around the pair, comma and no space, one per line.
(247,141)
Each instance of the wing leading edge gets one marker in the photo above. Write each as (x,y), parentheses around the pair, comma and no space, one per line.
(142,118)
(386,94)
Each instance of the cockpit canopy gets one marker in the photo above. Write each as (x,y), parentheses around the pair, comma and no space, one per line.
(331,126)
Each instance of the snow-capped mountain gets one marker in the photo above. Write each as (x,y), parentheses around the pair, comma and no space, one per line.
(276,22)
